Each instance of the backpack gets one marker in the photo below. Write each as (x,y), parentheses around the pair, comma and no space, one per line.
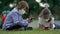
(3,18)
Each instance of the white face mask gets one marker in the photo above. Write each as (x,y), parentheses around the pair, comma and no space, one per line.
(22,11)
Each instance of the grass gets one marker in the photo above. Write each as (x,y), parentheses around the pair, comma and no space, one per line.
(34,31)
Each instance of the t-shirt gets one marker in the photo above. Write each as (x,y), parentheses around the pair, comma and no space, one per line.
(45,21)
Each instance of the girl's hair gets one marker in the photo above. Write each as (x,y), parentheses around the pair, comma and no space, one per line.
(45,11)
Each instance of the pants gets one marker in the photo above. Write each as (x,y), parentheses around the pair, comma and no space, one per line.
(57,26)
(16,27)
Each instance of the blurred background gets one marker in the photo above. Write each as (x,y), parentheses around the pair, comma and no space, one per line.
(35,7)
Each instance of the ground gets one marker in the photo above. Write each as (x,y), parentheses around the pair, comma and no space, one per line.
(34,31)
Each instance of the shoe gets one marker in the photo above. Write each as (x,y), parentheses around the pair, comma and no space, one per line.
(29,28)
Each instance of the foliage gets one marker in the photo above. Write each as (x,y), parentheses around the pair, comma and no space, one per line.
(35,9)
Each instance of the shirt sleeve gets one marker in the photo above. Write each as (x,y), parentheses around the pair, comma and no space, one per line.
(18,19)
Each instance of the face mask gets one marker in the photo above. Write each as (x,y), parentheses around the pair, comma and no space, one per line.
(22,11)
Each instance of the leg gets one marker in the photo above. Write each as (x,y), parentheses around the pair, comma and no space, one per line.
(41,27)
(14,27)
(17,27)
(27,28)
(57,26)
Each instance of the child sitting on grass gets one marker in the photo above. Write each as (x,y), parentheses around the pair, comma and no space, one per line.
(46,20)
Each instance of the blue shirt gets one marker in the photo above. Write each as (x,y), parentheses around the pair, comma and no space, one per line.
(13,18)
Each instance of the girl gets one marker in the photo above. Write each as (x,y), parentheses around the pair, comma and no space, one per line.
(46,20)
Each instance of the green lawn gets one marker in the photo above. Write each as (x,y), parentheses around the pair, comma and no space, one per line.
(34,31)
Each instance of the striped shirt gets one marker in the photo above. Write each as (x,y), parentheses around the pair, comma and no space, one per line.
(13,18)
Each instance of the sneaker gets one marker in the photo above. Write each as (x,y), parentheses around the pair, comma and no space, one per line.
(29,28)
